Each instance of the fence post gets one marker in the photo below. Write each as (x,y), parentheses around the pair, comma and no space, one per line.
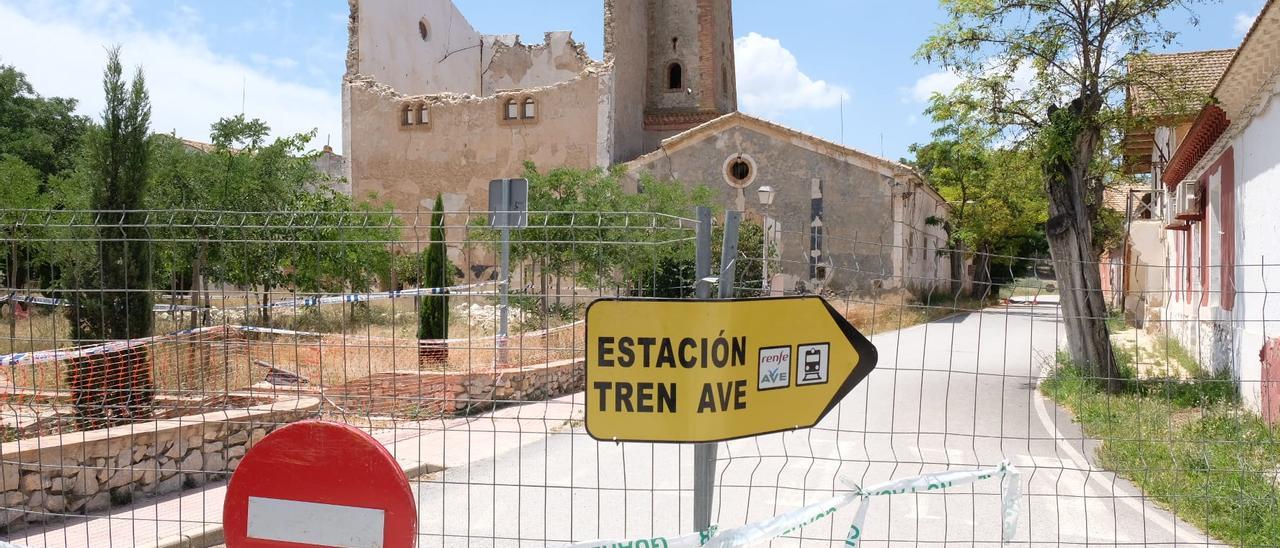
(506,273)
(702,263)
(704,454)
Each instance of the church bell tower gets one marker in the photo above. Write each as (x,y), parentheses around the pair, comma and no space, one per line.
(690,64)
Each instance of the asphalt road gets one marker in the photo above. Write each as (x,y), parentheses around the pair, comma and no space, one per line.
(949,395)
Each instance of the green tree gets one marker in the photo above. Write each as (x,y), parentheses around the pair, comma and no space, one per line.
(116,302)
(349,244)
(43,132)
(21,185)
(584,226)
(998,208)
(1048,75)
(40,138)
(268,196)
(433,315)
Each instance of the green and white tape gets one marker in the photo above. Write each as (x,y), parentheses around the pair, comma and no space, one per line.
(932,482)
(760,532)
(691,540)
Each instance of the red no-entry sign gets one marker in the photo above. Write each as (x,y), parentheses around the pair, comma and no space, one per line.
(317,483)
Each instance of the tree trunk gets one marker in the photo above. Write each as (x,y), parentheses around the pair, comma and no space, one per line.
(981,273)
(1075,261)
(12,280)
(266,306)
(196,283)
(957,270)
(542,274)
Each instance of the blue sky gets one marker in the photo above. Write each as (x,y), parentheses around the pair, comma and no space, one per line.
(798,61)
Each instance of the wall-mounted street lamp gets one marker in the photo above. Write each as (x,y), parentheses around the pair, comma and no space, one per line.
(765,193)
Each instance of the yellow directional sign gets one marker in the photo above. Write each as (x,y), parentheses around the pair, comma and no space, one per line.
(700,371)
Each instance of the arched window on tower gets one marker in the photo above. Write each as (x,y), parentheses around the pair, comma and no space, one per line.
(511,110)
(406,115)
(424,115)
(675,76)
(530,109)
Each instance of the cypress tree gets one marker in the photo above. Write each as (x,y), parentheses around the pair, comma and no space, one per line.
(115,302)
(433,316)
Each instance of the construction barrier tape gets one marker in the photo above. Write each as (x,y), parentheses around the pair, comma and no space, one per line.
(691,540)
(763,531)
(930,482)
(40,356)
(304,302)
(11,360)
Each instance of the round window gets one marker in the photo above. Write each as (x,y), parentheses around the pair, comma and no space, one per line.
(739,170)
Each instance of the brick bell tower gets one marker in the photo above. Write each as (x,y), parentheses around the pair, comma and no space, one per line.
(690,75)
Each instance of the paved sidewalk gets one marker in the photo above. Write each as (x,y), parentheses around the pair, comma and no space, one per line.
(194,519)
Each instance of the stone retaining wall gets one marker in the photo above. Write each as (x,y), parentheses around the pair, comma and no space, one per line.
(45,478)
(423,395)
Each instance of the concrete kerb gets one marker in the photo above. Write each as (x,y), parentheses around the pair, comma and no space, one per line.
(196,537)
(211,534)
(208,534)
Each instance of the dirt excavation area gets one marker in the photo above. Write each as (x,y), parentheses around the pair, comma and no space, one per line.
(338,352)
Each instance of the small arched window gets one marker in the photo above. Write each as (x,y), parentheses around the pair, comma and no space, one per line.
(675,76)
(511,110)
(530,109)
(406,115)
(424,115)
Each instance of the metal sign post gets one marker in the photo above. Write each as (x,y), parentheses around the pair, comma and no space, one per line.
(509,208)
(704,454)
(504,306)
(707,370)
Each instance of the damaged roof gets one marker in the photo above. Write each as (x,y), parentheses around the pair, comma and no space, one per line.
(1174,84)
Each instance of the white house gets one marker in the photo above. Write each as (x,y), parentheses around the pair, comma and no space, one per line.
(1223,223)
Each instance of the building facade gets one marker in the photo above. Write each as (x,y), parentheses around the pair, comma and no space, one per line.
(1222,182)
(432,106)
(840,220)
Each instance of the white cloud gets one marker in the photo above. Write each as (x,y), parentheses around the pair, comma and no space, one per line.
(943,81)
(109,9)
(191,86)
(1244,22)
(282,63)
(770,81)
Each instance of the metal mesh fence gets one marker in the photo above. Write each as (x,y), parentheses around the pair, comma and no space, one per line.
(258,320)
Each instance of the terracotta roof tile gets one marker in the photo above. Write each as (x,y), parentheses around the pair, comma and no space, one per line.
(1175,84)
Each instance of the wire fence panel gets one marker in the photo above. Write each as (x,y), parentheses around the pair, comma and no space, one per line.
(142,354)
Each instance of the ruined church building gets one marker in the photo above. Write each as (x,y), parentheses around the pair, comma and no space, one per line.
(431,106)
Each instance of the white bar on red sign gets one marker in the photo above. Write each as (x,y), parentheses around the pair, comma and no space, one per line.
(315,523)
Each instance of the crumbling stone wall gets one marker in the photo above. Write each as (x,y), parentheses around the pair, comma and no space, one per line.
(424,47)
(45,478)
(424,395)
(514,65)
(466,144)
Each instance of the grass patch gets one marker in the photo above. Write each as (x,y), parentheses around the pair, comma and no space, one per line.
(1027,287)
(1116,322)
(900,309)
(1187,443)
